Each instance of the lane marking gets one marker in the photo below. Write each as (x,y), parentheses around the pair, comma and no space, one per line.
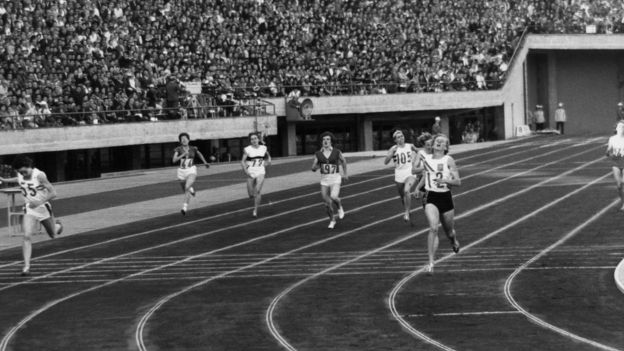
(394,292)
(5,341)
(462,314)
(295,210)
(143,321)
(269,316)
(533,318)
(185,223)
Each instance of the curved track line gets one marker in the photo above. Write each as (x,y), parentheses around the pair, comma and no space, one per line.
(394,292)
(173,242)
(618,275)
(265,218)
(533,318)
(350,184)
(270,311)
(6,339)
(12,331)
(184,224)
(143,320)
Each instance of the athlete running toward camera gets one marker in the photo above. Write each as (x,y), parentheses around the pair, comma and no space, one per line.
(440,174)
(615,152)
(255,159)
(187,171)
(37,192)
(404,155)
(329,159)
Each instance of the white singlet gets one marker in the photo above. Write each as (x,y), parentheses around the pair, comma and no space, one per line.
(255,160)
(402,163)
(616,144)
(436,169)
(33,190)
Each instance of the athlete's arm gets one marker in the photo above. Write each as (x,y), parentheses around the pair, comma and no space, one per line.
(177,157)
(267,159)
(343,161)
(454,180)
(417,164)
(201,157)
(49,194)
(608,153)
(390,154)
(244,163)
(315,164)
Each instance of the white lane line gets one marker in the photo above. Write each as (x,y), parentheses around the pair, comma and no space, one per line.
(196,236)
(462,314)
(173,226)
(143,321)
(9,335)
(310,206)
(533,318)
(394,292)
(270,311)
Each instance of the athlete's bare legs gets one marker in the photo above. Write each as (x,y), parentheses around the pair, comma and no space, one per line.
(254,188)
(618,175)
(433,218)
(187,187)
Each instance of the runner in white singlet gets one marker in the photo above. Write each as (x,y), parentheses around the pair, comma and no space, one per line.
(403,154)
(37,192)
(440,175)
(615,152)
(254,161)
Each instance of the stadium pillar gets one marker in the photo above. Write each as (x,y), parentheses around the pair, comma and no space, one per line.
(549,110)
(365,127)
(60,163)
(445,122)
(291,139)
(136,163)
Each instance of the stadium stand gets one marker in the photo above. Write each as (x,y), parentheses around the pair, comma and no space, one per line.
(104,62)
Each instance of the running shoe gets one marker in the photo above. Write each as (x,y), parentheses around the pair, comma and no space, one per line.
(332,224)
(341,213)
(25,272)
(429,269)
(192,191)
(59,227)
(254,214)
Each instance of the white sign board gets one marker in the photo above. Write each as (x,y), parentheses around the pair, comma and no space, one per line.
(193,87)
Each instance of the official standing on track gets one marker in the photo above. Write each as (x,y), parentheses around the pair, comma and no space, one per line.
(37,192)
(254,161)
(329,159)
(560,117)
(615,152)
(440,174)
(187,172)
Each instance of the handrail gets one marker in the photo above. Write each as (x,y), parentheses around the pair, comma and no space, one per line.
(138,115)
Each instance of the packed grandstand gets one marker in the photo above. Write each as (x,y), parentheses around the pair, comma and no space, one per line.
(129,57)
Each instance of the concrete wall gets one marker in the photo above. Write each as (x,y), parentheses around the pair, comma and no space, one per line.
(85,137)
(331,105)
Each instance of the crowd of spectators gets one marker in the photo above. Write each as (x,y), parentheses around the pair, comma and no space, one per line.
(69,56)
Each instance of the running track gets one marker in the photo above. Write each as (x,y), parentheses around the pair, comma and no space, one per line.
(537,220)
